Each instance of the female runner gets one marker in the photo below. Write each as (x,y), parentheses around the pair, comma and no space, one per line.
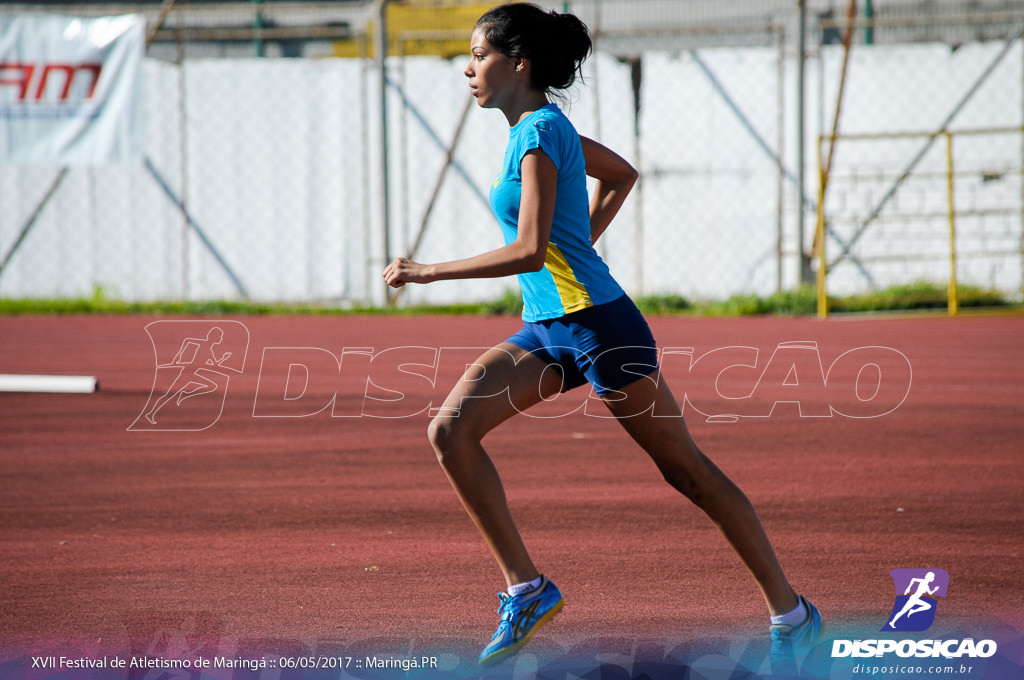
(575,317)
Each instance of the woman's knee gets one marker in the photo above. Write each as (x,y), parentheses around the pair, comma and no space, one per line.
(448,436)
(698,481)
(439,433)
(685,484)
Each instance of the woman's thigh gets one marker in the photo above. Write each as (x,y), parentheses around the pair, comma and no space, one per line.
(503,381)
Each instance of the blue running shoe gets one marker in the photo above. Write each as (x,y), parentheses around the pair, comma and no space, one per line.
(788,641)
(521,617)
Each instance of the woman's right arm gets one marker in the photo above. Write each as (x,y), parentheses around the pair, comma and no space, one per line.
(615,178)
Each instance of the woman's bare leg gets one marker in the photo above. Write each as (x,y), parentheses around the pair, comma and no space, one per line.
(504,381)
(649,413)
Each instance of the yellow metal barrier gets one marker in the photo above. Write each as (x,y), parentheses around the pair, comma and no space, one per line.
(420,28)
(951,295)
(822,219)
(819,237)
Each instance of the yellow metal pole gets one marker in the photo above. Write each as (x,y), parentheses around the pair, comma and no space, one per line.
(952,300)
(819,238)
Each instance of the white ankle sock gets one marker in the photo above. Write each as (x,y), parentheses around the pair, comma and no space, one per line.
(793,618)
(523,588)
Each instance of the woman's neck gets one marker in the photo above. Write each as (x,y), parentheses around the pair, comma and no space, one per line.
(523,107)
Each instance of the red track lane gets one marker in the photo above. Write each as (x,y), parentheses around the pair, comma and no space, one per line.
(291,532)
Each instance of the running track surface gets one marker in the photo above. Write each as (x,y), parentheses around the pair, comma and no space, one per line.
(294,534)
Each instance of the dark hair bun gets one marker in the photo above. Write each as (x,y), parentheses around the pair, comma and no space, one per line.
(572,40)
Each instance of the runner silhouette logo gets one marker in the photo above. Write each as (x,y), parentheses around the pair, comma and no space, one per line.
(194,364)
(917,591)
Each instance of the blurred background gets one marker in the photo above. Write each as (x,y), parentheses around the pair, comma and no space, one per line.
(278,154)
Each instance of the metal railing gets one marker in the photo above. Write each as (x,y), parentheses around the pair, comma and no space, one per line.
(990,232)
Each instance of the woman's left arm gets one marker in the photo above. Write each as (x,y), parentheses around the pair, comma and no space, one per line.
(526,253)
(615,178)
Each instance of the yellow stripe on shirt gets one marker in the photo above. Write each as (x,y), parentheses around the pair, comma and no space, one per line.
(573,294)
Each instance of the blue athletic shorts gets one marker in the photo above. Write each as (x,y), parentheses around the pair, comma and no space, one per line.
(608,345)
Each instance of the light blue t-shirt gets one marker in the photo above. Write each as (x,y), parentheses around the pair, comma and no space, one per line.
(574,276)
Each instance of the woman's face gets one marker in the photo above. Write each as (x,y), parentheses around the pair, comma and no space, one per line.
(490,72)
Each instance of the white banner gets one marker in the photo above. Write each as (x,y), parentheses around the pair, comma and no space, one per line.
(69,89)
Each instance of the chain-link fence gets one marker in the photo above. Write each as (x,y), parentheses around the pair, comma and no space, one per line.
(282,162)
(927,182)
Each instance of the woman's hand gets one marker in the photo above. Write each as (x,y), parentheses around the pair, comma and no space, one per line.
(403,270)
